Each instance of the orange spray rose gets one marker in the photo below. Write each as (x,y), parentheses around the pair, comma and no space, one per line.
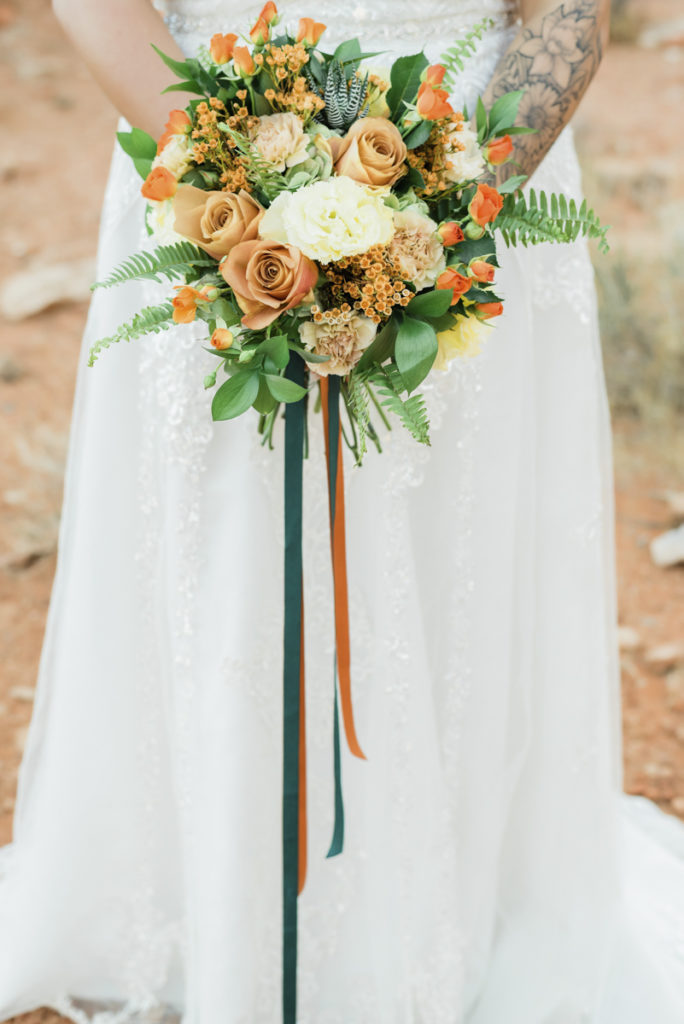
(485,206)
(159,184)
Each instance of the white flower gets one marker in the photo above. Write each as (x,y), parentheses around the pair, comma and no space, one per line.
(176,156)
(344,342)
(329,220)
(464,339)
(417,251)
(463,154)
(280,139)
(161,220)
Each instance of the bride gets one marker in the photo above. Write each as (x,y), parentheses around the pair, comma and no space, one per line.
(493,874)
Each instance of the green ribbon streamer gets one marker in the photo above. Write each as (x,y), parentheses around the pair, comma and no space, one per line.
(295,413)
(337,843)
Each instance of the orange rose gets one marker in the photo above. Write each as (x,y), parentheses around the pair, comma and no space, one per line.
(269,13)
(177,124)
(221,47)
(267,278)
(310,31)
(185,303)
(499,151)
(451,279)
(482,271)
(371,153)
(434,75)
(485,205)
(216,221)
(432,104)
(260,32)
(451,233)
(486,310)
(159,184)
(222,338)
(244,61)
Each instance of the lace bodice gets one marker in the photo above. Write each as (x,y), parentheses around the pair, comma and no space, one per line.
(390,26)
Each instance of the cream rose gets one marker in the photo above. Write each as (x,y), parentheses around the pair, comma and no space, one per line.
(281,140)
(463,154)
(344,342)
(329,220)
(216,221)
(176,156)
(416,248)
(267,278)
(464,339)
(372,152)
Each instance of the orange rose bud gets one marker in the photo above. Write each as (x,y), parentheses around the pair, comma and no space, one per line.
(434,74)
(269,13)
(185,304)
(499,151)
(177,124)
(260,32)
(222,338)
(159,184)
(244,62)
(451,279)
(485,206)
(221,47)
(310,31)
(450,233)
(486,310)
(433,104)
(482,271)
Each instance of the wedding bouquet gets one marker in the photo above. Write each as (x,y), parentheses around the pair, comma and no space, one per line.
(315,206)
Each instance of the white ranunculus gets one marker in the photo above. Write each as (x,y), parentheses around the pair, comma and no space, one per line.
(161,220)
(329,220)
(464,154)
(176,156)
(281,140)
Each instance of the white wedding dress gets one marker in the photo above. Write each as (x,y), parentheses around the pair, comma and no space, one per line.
(493,873)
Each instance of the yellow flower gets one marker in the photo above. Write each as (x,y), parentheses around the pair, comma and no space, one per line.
(464,339)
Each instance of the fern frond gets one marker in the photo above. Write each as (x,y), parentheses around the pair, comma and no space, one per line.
(166,261)
(411,411)
(150,320)
(454,59)
(530,220)
(358,404)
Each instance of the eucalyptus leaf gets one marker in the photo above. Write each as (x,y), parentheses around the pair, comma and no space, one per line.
(235,395)
(415,351)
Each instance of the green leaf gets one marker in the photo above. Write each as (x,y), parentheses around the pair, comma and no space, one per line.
(210,380)
(149,320)
(348,52)
(381,348)
(405,82)
(479,249)
(282,389)
(415,351)
(235,395)
(137,143)
(188,86)
(481,120)
(277,349)
(429,304)
(504,112)
(418,135)
(414,178)
(182,68)
(264,401)
(512,184)
(142,166)
(169,261)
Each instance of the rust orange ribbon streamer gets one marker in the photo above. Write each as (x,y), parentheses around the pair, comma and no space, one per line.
(301,795)
(338,546)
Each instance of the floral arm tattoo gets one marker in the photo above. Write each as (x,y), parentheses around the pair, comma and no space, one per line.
(552,59)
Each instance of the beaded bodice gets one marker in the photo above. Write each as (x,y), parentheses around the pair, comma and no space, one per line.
(390,26)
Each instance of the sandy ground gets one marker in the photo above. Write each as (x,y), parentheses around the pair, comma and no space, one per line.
(53,164)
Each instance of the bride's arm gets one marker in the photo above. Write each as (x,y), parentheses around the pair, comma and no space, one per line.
(114,41)
(553,59)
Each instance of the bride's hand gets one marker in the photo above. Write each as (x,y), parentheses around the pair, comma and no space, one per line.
(114,40)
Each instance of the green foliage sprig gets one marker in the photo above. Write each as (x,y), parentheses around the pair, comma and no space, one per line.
(530,220)
(150,320)
(454,59)
(181,260)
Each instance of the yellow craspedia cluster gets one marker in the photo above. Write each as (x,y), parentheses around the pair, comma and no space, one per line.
(464,339)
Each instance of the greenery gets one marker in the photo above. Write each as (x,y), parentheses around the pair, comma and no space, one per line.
(150,320)
(182,260)
(454,59)
(530,220)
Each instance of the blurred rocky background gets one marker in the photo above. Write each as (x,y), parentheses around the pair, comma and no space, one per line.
(57,141)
